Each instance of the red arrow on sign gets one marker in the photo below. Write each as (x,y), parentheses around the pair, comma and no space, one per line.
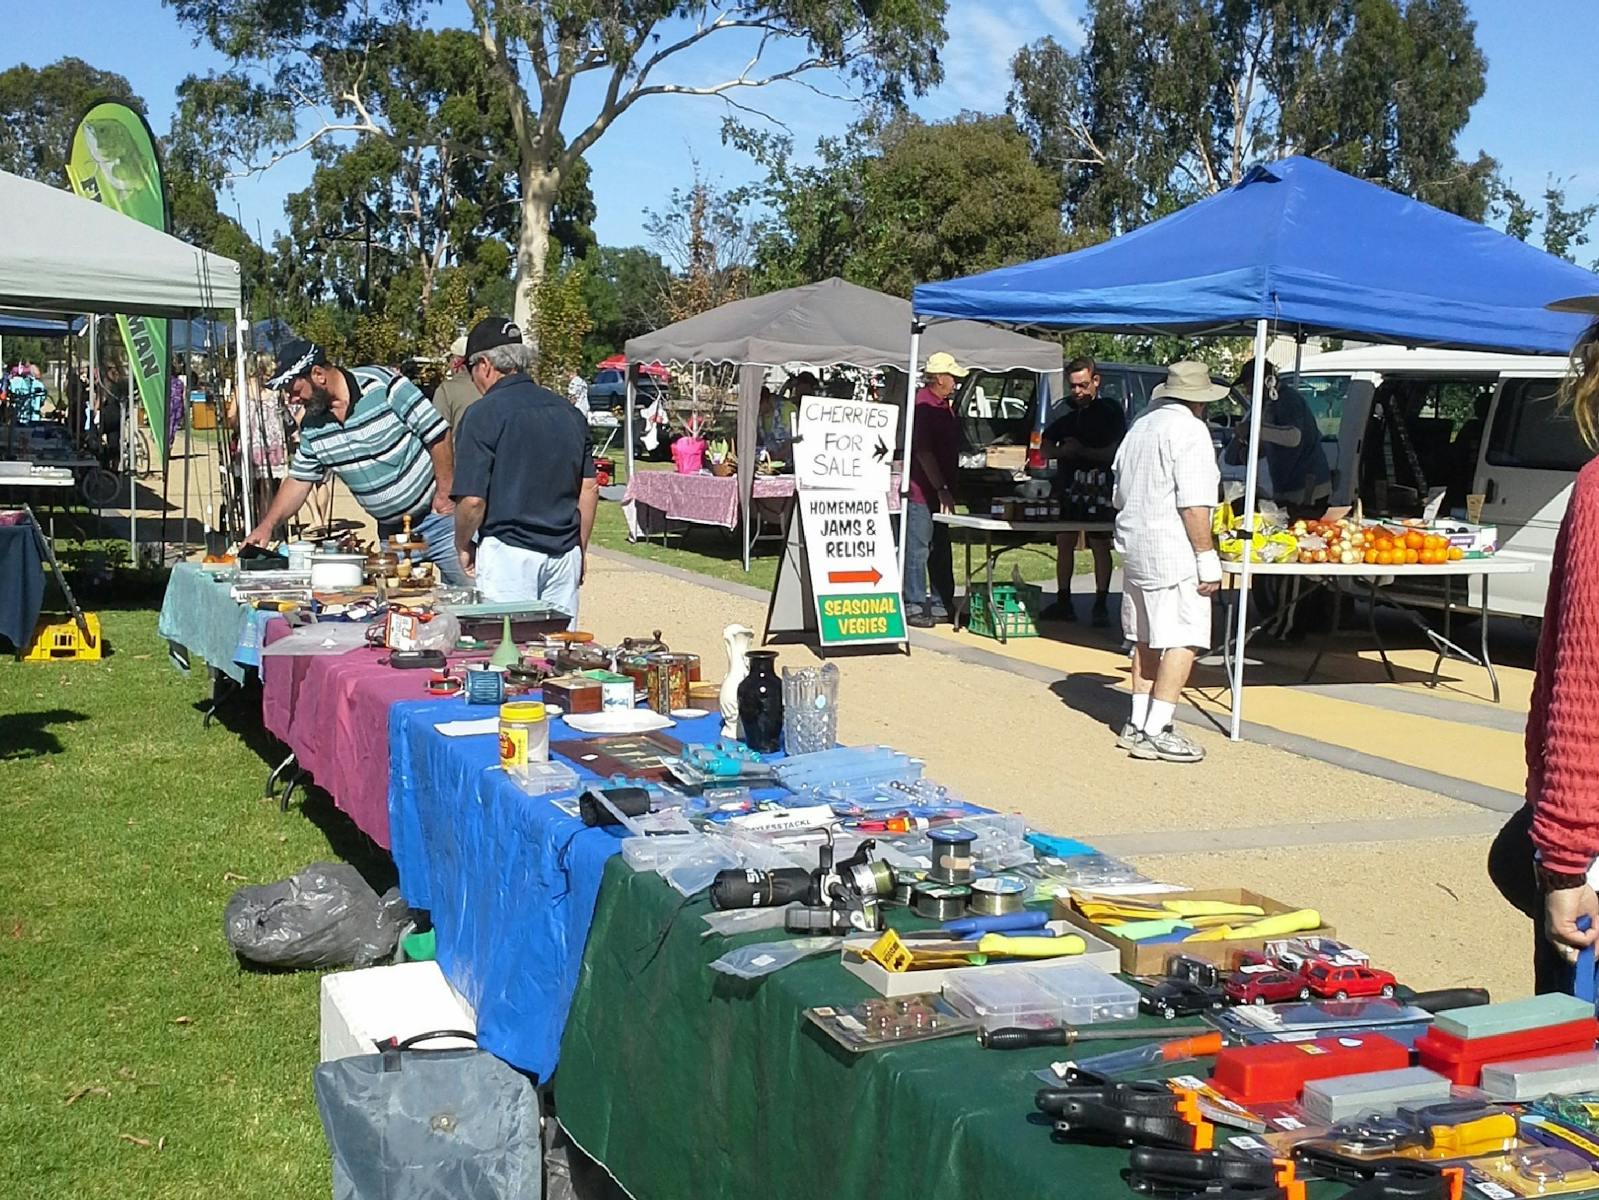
(873,577)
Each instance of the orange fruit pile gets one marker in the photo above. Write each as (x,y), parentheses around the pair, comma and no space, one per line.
(1387,548)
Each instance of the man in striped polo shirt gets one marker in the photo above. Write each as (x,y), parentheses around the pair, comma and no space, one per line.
(376,431)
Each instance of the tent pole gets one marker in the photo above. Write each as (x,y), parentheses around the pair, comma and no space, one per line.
(905,468)
(240,329)
(130,430)
(627,416)
(1251,474)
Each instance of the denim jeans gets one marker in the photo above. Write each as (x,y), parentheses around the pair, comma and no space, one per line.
(928,558)
(438,530)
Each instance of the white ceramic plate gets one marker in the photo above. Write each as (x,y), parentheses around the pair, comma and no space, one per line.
(639,720)
(689,714)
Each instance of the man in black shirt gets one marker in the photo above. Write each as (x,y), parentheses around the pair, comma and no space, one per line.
(524,478)
(1085,435)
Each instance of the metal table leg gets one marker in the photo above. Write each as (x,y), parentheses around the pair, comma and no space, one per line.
(277,771)
(1482,617)
(1371,625)
(988,559)
(962,615)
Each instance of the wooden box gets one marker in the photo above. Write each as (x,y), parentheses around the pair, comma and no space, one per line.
(1146,958)
(574,693)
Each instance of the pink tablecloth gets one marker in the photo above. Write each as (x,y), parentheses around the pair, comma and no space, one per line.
(703,499)
(333,712)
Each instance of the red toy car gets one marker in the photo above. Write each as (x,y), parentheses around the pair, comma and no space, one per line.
(1266,987)
(1340,983)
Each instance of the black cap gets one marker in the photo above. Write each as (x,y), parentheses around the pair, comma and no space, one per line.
(491,332)
(295,359)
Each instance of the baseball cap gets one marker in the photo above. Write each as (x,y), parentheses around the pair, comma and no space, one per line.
(943,363)
(458,347)
(491,332)
(296,358)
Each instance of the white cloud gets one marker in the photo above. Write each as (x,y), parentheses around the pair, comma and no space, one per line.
(983,37)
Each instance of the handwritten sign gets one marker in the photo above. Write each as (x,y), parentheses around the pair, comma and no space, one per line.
(854,571)
(845,444)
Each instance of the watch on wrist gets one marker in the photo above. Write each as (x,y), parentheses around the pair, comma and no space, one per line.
(1559,881)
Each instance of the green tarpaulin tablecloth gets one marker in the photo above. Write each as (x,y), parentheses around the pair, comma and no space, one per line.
(685,1082)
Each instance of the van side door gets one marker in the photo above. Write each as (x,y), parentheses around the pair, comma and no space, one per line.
(1530,459)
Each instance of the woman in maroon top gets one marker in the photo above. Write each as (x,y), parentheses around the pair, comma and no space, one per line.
(1541,859)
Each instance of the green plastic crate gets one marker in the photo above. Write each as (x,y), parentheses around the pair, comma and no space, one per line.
(1010,611)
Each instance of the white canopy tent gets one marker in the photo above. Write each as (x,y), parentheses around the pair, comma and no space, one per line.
(60,253)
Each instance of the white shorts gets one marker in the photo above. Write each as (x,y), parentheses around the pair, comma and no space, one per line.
(1167,617)
(511,575)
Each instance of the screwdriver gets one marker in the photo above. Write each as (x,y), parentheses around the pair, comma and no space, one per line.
(1122,1062)
(1067,1035)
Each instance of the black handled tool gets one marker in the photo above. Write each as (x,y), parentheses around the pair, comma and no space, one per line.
(1147,1097)
(1443,999)
(1068,1035)
(1185,1174)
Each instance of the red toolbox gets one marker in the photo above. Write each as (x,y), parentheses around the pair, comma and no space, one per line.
(1461,1061)
(1276,1073)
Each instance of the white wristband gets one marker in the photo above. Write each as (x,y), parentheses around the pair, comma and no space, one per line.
(1209,566)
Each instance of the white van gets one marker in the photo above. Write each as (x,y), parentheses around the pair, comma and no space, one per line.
(1398,423)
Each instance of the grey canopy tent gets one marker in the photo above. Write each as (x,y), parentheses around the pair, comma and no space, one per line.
(60,253)
(832,323)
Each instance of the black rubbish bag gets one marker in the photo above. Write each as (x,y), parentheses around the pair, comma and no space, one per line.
(418,1124)
(323,916)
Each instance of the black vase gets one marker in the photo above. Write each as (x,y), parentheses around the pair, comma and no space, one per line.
(760,703)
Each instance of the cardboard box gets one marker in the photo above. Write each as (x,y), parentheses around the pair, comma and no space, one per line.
(1144,958)
(1007,458)
(905,983)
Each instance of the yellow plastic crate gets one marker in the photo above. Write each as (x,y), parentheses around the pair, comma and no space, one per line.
(63,641)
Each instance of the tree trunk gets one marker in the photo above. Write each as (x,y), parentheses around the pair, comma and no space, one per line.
(533,243)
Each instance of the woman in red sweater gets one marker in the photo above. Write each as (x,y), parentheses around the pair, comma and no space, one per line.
(1541,859)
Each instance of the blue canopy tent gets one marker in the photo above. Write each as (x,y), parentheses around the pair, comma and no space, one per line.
(1302,248)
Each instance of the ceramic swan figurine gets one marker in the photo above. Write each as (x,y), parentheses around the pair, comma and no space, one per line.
(738,639)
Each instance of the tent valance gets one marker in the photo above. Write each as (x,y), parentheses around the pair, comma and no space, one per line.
(61,253)
(1301,245)
(833,322)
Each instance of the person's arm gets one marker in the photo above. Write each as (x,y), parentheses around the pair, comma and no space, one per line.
(1565,800)
(929,464)
(1197,481)
(469,512)
(588,502)
(442,452)
(291,494)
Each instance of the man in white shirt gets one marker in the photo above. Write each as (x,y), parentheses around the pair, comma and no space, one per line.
(577,392)
(1166,482)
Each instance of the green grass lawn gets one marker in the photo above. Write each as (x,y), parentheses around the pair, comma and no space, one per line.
(144,1061)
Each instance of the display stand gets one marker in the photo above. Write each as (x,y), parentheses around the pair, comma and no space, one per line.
(838,579)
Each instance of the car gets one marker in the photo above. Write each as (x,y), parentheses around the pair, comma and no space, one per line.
(1328,982)
(1265,987)
(1297,953)
(608,389)
(1002,422)
(1173,998)
(1191,985)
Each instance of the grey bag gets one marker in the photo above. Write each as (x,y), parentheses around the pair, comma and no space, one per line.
(430,1125)
(323,916)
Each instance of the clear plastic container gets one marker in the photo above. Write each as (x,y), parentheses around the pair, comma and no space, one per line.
(1004,999)
(544,778)
(1087,994)
(651,853)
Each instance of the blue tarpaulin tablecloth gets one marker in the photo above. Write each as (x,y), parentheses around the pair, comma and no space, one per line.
(21,584)
(510,879)
(199,613)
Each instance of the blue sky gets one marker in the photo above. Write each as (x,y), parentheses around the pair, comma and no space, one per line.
(1539,117)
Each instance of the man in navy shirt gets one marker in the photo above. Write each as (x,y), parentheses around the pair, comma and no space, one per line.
(1087,434)
(524,489)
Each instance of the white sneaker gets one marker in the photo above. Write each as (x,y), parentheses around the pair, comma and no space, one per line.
(1170,746)
(1129,737)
